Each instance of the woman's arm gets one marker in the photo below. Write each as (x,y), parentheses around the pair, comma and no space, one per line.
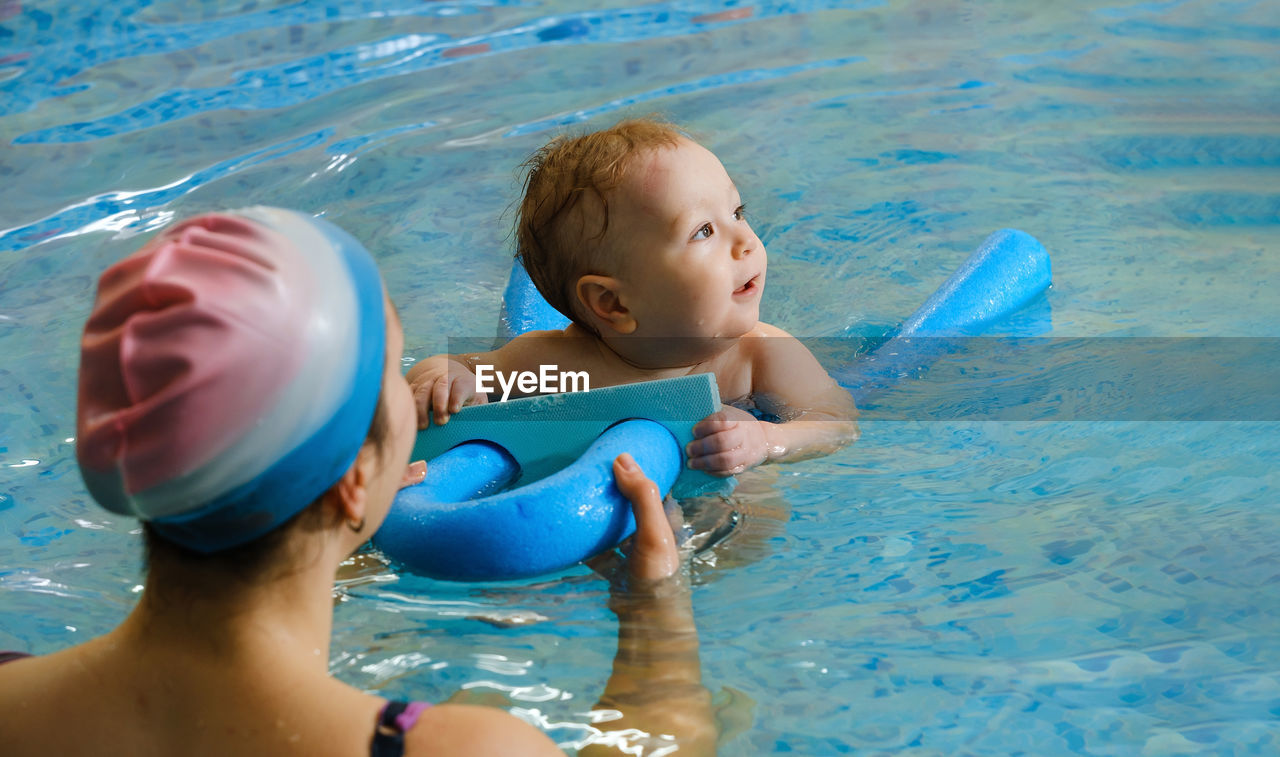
(655,694)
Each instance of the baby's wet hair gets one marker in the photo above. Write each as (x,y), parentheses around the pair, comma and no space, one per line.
(552,240)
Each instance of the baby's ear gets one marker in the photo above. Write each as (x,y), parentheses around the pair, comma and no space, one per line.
(599,296)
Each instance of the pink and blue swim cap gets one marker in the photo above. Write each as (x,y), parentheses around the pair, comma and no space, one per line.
(229,374)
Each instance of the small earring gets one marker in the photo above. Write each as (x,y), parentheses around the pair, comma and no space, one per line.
(357,528)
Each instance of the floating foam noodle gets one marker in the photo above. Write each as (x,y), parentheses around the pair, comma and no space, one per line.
(524,309)
(1005,273)
(438,529)
(559,448)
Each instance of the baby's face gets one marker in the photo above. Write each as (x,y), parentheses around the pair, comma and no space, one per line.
(689,263)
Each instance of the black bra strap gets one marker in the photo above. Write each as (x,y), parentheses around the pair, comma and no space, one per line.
(10,656)
(388,739)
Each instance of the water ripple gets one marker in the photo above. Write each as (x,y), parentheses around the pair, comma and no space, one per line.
(62,44)
(127,209)
(296,81)
(698,85)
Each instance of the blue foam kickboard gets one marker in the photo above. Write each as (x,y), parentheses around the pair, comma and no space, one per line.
(547,433)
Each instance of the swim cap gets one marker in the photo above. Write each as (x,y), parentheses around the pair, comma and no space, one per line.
(229,373)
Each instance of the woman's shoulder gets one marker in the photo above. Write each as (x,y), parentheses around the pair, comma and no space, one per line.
(36,693)
(464,729)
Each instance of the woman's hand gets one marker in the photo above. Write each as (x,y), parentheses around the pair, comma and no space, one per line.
(653,554)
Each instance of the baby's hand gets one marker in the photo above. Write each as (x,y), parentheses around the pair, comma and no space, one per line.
(443,390)
(727,442)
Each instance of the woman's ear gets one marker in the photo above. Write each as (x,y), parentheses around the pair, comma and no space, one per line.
(351,493)
(599,295)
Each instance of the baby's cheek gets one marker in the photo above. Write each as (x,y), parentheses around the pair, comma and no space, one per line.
(691,276)
(682,300)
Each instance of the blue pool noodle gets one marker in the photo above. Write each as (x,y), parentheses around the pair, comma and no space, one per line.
(541,528)
(1005,273)
(524,309)
(437,529)
(1008,270)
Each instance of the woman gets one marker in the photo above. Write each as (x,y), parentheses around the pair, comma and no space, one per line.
(208,355)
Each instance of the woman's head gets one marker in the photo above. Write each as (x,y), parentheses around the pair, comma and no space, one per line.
(229,374)
(379,468)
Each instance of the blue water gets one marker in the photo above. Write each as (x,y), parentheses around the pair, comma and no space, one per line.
(954,587)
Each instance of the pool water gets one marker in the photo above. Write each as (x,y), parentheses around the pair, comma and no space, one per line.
(942,587)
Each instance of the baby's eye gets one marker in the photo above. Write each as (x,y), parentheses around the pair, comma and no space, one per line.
(740,213)
(704,232)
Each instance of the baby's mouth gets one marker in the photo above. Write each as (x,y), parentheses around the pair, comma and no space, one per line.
(750,287)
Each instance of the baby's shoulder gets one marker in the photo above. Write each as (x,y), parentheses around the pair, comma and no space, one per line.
(752,349)
(766,329)
(530,336)
(567,347)
(536,341)
(571,334)
(768,346)
(765,340)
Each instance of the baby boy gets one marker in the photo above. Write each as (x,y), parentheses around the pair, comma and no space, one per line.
(638,235)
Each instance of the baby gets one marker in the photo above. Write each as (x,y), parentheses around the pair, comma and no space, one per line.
(638,235)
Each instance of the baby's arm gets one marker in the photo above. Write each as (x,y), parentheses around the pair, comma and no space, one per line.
(819,416)
(444,384)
